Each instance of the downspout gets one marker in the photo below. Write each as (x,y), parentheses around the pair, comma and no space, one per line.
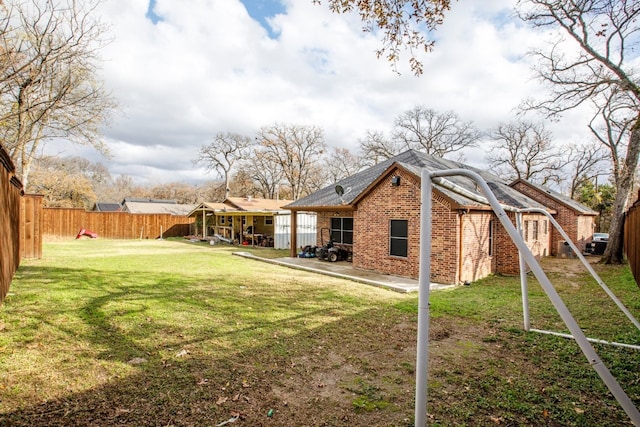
(461,215)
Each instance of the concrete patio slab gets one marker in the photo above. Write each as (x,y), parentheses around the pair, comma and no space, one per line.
(345,270)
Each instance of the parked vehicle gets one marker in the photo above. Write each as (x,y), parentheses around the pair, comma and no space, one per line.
(598,243)
(330,251)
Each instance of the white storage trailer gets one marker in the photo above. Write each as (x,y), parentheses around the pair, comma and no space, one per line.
(307,229)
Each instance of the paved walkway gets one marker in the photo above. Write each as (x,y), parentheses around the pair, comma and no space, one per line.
(345,270)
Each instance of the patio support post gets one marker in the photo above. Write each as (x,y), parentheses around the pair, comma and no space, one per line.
(204,224)
(294,234)
(422,358)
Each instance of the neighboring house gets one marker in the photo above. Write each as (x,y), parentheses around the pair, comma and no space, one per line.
(252,221)
(155,206)
(379,216)
(106,207)
(577,220)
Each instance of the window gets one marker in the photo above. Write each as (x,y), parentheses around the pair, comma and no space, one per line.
(399,238)
(268,220)
(525,231)
(491,225)
(342,230)
(534,231)
(222,220)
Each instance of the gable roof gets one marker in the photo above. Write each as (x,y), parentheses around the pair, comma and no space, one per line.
(255,204)
(155,206)
(558,197)
(211,207)
(413,162)
(106,207)
(241,204)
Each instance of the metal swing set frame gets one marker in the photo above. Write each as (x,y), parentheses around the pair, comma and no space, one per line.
(526,258)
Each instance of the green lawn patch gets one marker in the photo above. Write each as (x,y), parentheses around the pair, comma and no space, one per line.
(103,332)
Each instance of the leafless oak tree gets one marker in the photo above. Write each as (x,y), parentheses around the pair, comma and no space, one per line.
(341,163)
(297,149)
(524,150)
(592,62)
(223,153)
(375,147)
(49,84)
(265,172)
(584,162)
(436,133)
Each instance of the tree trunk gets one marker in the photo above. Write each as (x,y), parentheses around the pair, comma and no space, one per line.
(613,253)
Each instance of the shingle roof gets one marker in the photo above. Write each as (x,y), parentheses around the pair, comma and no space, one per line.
(106,207)
(211,207)
(414,161)
(256,203)
(156,207)
(561,198)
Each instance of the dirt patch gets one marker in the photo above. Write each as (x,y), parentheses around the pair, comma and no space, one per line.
(569,267)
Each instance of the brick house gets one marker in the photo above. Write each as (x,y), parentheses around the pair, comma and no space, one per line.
(577,220)
(379,216)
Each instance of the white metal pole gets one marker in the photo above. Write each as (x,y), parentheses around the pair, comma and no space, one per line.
(422,358)
(553,295)
(584,261)
(524,285)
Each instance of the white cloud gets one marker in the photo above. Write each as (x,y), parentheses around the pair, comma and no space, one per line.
(208,67)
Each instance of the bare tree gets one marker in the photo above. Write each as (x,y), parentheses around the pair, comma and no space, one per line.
(403,23)
(603,34)
(223,153)
(265,172)
(341,163)
(296,149)
(584,162)
(523,150)
(49,82)
(243,184)
(375,147)
(429,131)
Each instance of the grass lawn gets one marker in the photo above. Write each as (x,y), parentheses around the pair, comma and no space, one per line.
(172,333)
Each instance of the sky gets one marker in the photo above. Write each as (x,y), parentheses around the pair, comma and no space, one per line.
(185,71)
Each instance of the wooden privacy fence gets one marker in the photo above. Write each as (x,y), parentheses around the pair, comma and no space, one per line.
(10,193)
(632,238)
(66,223)
(31,226)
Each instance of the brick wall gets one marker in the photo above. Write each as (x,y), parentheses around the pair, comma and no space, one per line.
(372,230)
(476,261)
(453,259)
(579,228)
(507,258)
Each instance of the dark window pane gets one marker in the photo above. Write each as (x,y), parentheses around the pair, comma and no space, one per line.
(335,236)
(336,223)
(399,228)
(399,247)
(347,237)
(347,224)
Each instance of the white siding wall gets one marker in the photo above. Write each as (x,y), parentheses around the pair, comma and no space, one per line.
(306,230)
